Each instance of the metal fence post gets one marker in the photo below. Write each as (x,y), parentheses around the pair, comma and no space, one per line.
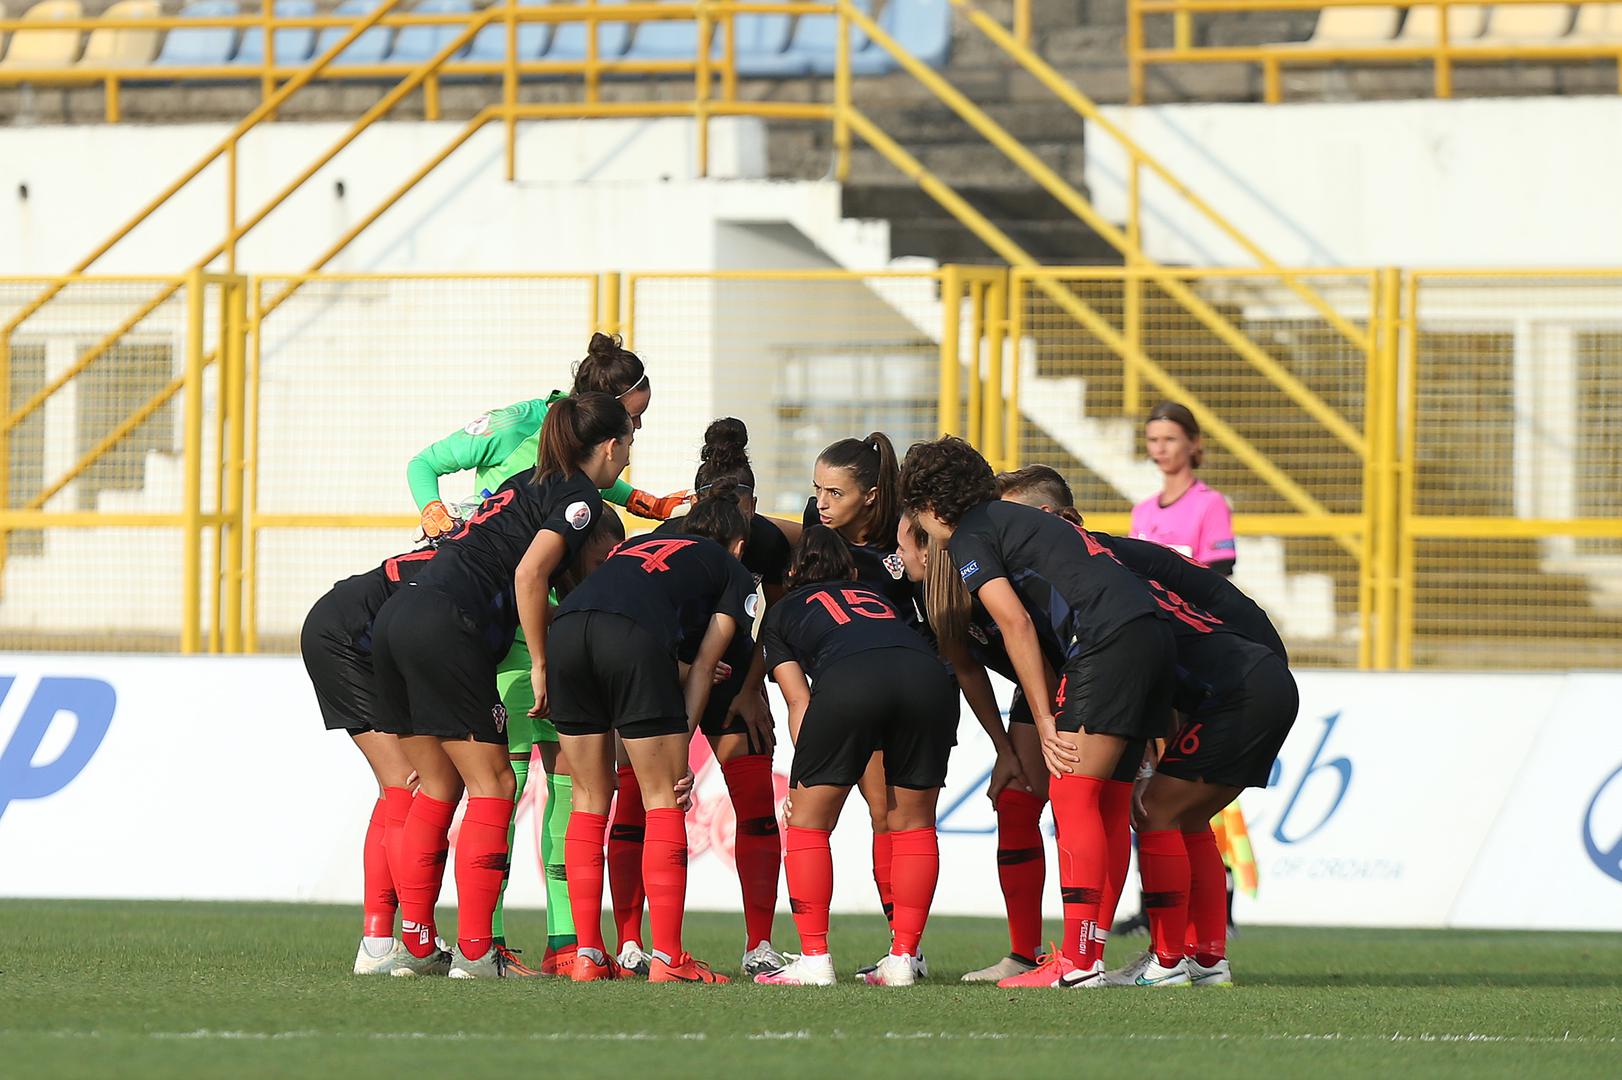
(191,586)
(948,409)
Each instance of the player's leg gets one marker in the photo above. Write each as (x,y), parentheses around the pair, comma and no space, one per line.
(1172,807)
(424,844)
(658,752)
(1115,805)
(512,683)
(482,854)
(757,846)
(809,866)
(1021,862)
(876,796)
(591,758)
(554,827)
(625,837)
(381,897)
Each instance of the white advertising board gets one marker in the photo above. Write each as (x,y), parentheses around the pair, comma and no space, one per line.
(1398,800)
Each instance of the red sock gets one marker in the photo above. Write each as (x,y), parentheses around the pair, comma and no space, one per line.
(1115,807)
(810,867)
(882,875)
(396,808)
(423,844)
(378,902)
(481,866)
(917,867)
(1164,862)
(664,876)
(1207,897)
(1083,864)
(583,862)
(625,858)
(756,847)
(1021,868)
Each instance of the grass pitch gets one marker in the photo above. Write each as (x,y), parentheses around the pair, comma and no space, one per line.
(248,990)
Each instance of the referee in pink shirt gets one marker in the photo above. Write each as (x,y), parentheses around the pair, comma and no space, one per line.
(1184,515)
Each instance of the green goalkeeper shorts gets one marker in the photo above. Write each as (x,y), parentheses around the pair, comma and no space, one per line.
(512,682)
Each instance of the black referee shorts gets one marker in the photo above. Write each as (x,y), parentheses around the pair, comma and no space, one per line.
(605,673)
(898,701)
(1123,686)
(435,673)
(338,655)
(1234,739)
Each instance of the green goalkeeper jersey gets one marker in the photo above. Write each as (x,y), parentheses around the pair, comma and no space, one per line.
(496,446)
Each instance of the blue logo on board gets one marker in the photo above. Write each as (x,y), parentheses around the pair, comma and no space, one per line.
(85,703)
(1603,841)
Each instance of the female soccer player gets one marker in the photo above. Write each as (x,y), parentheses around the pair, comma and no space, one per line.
(855,486)
(497,446)
(1184,514)
(437,647)
(337,646)
(615,671)
(875,687)
(737,722)
(1233,685)
(1036,576)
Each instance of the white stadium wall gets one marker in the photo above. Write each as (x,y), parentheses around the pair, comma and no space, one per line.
(1399,800)
(1482,183)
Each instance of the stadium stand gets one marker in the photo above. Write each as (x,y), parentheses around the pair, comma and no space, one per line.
(490,44)
(370,48)
(205,46)
(111,47)
(569,42)
(414,44)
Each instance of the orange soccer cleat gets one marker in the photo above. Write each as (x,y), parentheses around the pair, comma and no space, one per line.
(592,966)
(683,968)
(1051,967)
(559,962)
(514,968)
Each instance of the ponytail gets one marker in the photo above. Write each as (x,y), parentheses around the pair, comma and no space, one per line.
(724,457)
(946,598)
(873,462)
(574,426)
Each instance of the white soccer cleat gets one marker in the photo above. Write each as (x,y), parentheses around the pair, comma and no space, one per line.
(1147,971)
(801,971)
(633,959)
(406,965)
(368,962)
(894,970)
(762,959)
(1218,974)
(1092,978)
(1006,968)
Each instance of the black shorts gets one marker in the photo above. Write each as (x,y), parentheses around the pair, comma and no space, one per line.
(337,648)
(1126,770)
(898,701)
(435,672)
(1123,686)
(605,673)
(1234,739)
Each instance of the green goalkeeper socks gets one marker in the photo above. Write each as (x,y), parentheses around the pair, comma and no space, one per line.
(559,919)
(497,920)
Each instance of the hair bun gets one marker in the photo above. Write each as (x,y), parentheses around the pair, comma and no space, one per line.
(725,439)
(603,346)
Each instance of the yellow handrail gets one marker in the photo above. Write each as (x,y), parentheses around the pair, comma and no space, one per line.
(1077,204)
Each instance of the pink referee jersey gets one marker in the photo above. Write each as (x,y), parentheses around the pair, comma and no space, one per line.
(1198,524)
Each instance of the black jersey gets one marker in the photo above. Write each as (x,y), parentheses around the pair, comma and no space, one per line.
(475,565)
(670,585)
(879,567)
(354,602)
(986,644)
(1198,585)
(818,625)
(1077,592)
(766,552)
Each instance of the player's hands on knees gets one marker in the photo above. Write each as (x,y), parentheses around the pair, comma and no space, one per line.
(1140,816)
(1060,756)
(1007,772)
(437,521)
(537,684)
(684,792)
(757,718)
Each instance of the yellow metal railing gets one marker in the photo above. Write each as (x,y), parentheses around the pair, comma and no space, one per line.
(1444,52)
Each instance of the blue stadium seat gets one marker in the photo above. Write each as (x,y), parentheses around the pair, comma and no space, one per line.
(757,35)
(294,44)
(922,27)
(370,48)
(569,41)
(205,46)
(812,49)
(414,44)
(762,39)
(490,44)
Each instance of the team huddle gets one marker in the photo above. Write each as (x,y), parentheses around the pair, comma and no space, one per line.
(1151,691)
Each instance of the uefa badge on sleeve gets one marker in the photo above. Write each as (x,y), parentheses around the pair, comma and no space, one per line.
(578,515)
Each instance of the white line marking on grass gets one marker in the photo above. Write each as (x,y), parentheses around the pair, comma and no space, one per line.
(209,1034)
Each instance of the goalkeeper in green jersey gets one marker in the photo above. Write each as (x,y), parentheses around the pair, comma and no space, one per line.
(496,446)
